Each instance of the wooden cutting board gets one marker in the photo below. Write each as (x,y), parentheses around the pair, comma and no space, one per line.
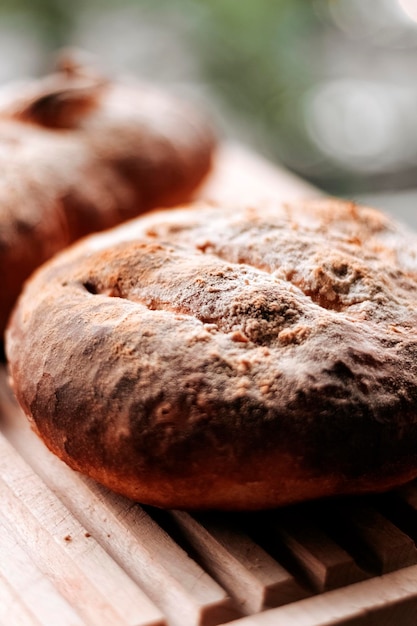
(73,554)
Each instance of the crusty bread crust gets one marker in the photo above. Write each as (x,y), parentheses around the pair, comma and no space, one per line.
(227,358)
(80,153)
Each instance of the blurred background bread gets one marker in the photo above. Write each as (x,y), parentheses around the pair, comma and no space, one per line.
(79,153)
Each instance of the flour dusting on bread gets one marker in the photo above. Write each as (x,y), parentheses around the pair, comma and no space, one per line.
(220,357)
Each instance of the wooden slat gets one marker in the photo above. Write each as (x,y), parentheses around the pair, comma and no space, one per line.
(389,600)
(400,506)
(408,494)
(239,177)
(12,608)
(31,586)
(324,563)
(187,594)
(250,575)
(372,537)
(81,570)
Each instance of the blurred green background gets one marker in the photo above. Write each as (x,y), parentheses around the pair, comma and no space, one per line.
(325,87)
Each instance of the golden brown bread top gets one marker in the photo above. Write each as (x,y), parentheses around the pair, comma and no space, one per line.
(80,153)
(228,358)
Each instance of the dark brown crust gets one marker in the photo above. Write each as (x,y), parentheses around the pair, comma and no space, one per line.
(212,358)
(78,154)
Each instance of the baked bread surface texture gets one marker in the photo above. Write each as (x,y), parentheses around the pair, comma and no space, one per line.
(80,153)
(213,357)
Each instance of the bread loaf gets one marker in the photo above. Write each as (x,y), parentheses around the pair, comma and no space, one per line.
(214,357)
(80,153)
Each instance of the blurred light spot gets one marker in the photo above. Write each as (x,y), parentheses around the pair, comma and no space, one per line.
(359,18)
(363,125)
(385,25)
(410,8)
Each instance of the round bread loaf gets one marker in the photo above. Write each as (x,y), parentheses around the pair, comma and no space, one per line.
(80,153)
(227,358)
